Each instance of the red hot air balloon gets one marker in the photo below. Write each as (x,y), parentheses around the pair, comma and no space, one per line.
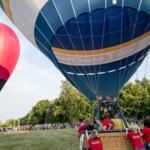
(9,52)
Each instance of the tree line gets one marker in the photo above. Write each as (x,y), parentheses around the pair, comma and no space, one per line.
(72,106)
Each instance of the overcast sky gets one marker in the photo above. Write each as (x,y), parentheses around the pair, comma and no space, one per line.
(33,79)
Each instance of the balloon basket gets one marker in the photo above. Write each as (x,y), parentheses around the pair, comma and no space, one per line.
(111,140)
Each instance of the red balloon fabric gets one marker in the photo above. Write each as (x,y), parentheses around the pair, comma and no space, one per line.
(9,52)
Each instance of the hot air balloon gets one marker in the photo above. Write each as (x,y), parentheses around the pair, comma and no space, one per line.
(96,44)
(9,53)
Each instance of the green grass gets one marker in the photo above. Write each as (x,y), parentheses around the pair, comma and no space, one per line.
(62,139)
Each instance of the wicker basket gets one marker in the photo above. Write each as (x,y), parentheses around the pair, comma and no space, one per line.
(112,141)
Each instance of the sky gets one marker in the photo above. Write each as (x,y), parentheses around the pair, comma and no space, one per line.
(35,78)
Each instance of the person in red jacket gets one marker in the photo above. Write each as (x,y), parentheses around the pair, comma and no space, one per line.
(135,139)
(106,123)
(146,133)
(84,126)
(94,141)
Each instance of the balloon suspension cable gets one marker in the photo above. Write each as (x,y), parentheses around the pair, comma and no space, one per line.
(104,105)
(97,109)
(121,114)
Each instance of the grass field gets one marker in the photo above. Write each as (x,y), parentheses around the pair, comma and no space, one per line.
(62,139)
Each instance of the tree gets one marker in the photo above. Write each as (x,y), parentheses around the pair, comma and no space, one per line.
(11,123)
(74,105)
(70,106)
(38,113)
(135,99)
(1,124)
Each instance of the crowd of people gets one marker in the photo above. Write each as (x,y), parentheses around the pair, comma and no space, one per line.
(40,127)
(140,139)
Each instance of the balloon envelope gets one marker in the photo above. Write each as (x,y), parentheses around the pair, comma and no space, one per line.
(9,52)
(96,44)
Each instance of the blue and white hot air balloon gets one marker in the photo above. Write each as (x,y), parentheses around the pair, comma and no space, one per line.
(96,44)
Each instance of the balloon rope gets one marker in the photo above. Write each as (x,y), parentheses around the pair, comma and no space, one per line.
(61,70)
(73,46)
(125,71)
(81,37)
(100,82)
(91,31)
(91,84)
(128,73)
(84,81)
(121,39)
(141,56)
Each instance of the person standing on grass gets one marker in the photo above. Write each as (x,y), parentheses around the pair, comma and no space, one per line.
(95,142)
(135,138)
(83,126)
(146,133)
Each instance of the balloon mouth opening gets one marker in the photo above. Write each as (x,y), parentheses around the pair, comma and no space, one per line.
(2,83)
(4,73)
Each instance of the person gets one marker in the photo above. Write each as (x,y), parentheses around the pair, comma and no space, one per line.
(135,138)
(84,126)
(106,122)
(99,124)
(146,133)
(95,142)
